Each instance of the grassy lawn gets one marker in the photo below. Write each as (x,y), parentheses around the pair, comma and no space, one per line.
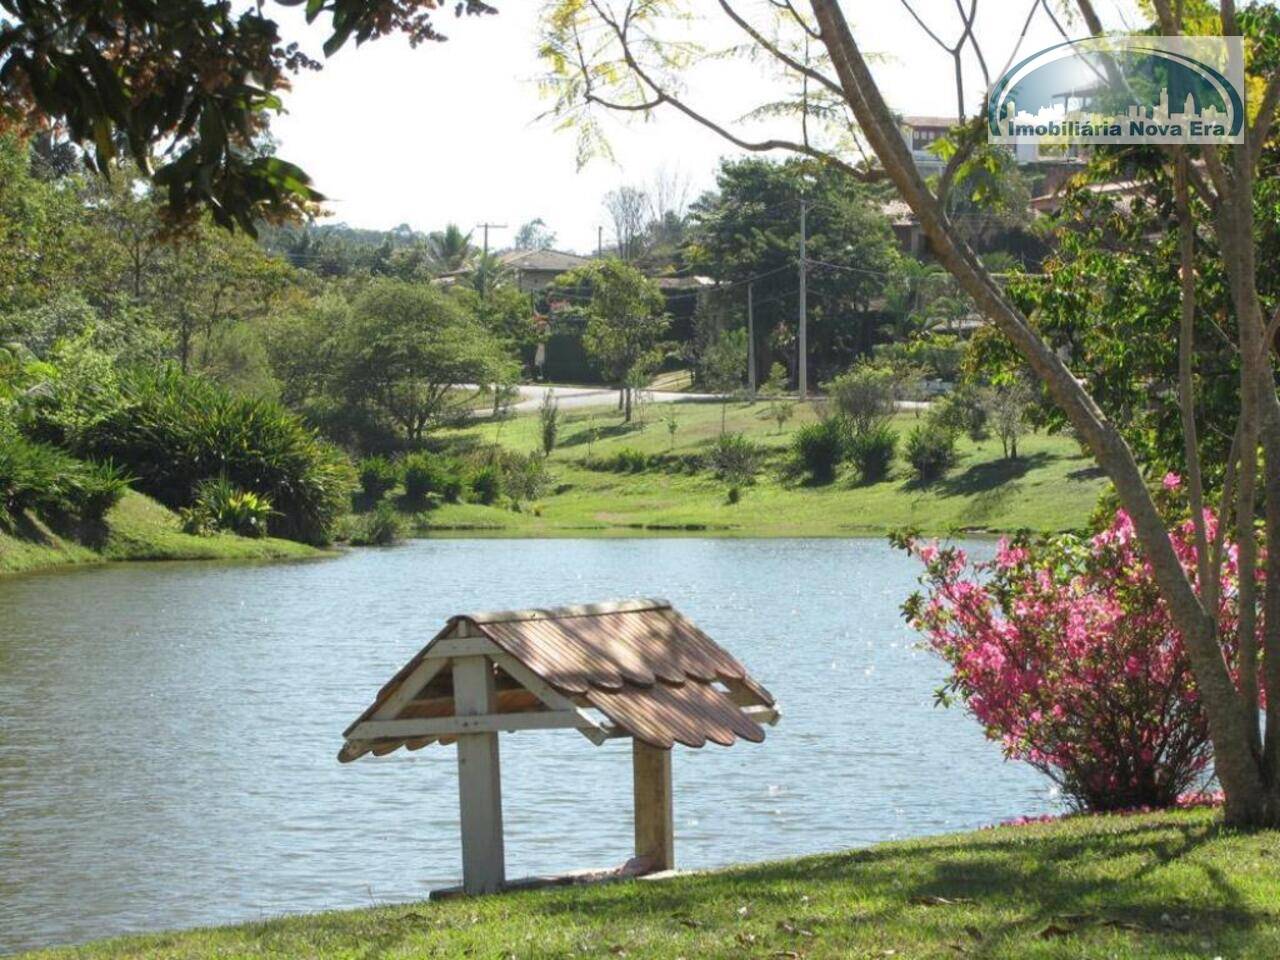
(1051,487)
(137,528)
(1172,886)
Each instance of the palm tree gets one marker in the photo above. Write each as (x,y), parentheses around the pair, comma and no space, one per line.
(449,249)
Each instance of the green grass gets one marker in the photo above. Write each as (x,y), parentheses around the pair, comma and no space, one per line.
(137,528)
(1052,487)
(1171,886)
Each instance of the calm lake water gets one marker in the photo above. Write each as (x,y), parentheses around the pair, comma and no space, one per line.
(168,733)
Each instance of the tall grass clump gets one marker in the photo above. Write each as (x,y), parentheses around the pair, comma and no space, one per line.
(424,474)
(173,432)
(51,484)
(872,452)
(222,507)
(931,451)
(378,476)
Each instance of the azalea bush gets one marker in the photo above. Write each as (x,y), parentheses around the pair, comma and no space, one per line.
(1066,654)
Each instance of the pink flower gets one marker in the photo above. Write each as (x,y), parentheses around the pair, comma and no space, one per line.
(1172,481)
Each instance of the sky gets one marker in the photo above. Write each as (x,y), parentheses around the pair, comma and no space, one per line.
(450,132)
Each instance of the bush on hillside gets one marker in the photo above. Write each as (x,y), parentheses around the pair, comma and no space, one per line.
(378,476)
(222,507)
(173,432)
(428,475)
(486,485)
(735,458)
(931,451)
(51,484)
(380,528)
(818,448)
(872,452)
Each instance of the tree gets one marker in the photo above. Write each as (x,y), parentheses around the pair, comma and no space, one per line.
(748,231)
(449,250)
(534,235)
(121,78)
(631,67)
(415,355)
(628,209)
(723,367)
(625,321)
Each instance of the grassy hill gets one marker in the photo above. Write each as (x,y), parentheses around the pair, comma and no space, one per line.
(1051,487)
(137,528)
(1172,885)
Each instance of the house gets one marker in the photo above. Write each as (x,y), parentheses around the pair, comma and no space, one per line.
(534,269)
(919,134)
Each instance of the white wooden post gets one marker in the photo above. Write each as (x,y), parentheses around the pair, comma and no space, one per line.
(479,780)
(655,831)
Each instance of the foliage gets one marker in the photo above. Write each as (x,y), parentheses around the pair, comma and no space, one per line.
(410,351)
(377,476)
(1007,407)
(967,410)
(221,506)
(937,356)
(625,319)
(381,527)
(930,450)
(735,458)
(549,422)
(173,431)
(780,409)
(1067,655)
(426,473)
(626,460)
(863,396)
(486,484)
(52,484)
(201,79)
(523,476)
(872,452)
(749,227)
(818,448)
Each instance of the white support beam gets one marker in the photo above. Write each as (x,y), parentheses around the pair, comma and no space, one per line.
(479,779)
(551,697)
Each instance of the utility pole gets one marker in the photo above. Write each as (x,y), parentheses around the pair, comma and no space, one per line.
(751,343)
(802,347)
(599,243)
(484,261)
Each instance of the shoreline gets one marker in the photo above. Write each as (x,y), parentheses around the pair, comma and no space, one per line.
(1080,886)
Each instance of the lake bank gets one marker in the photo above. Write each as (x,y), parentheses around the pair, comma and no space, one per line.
(1125,887)
(135,529)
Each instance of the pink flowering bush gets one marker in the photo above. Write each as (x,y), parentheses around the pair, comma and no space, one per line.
(1066,654)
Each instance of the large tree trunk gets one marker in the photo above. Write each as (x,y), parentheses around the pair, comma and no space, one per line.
(1238,767)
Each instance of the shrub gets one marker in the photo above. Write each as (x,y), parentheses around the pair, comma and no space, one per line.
(425,473)
(872,452)
(965,410)
(549,422)
(221,506)
(735,494)
(735,458)
(524,476)
(51,483)
(931,451)
(486,484)
(818,448)
(378,475)
(380,528)
(173,432)
(863,396)
(626,460)
(1067,655)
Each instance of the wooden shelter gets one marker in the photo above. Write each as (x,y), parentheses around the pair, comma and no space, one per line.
(634,668)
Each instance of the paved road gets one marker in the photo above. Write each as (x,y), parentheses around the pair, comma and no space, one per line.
(531,395)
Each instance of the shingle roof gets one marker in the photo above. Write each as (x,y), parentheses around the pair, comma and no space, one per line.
(649,670)
(550,261)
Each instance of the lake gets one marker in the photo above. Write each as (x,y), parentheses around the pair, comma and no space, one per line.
(168,733)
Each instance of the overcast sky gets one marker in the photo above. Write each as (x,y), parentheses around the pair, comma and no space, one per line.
(449,132)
